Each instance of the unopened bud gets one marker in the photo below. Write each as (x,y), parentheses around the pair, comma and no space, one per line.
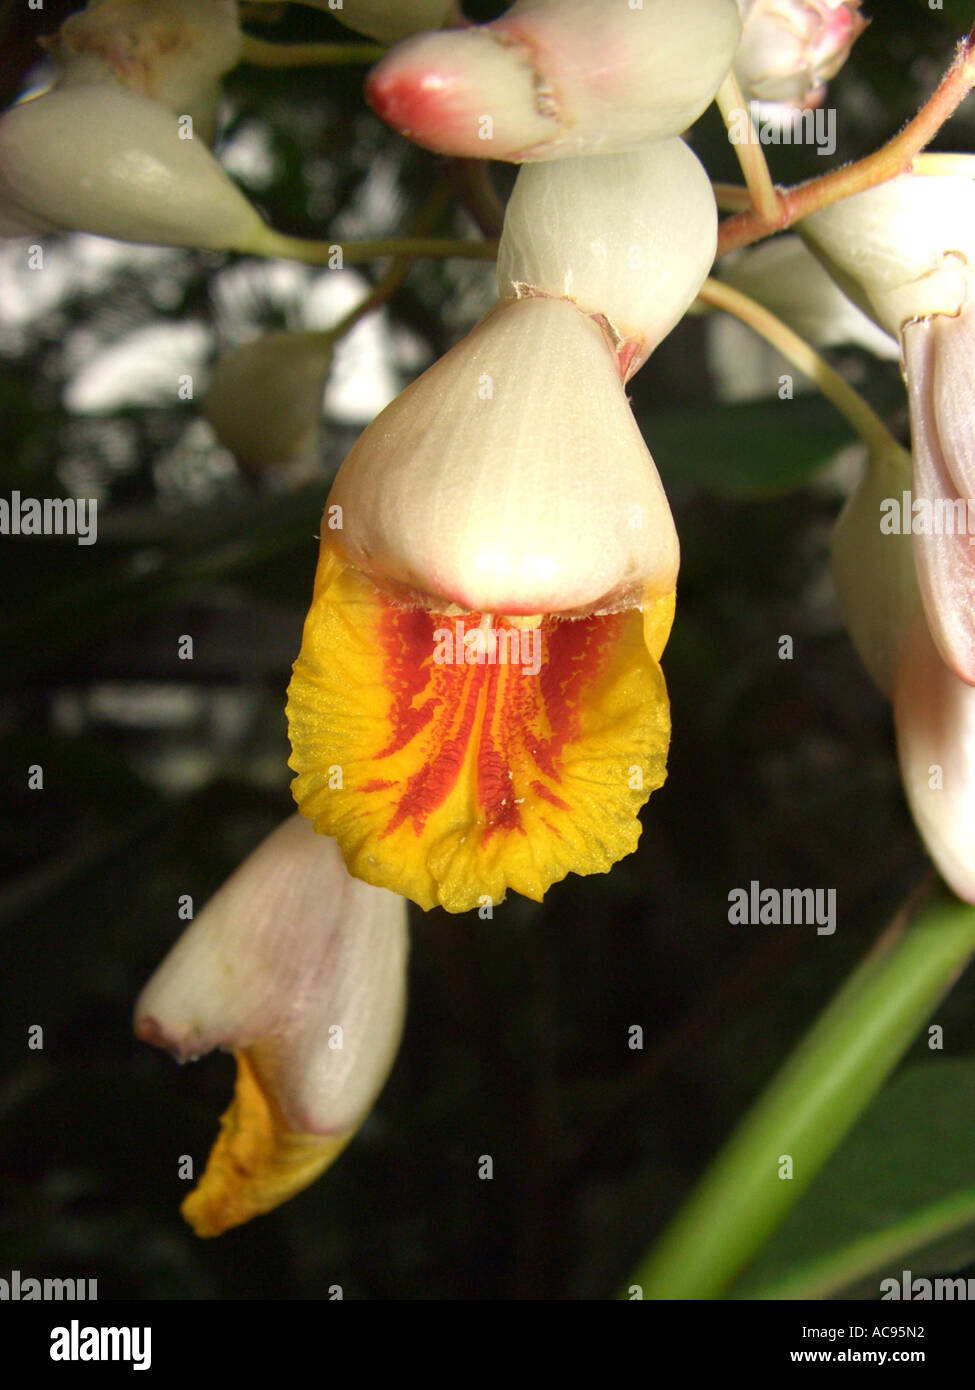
(873,567)
(104,160)
(265,397)
(630,237)
(552,78)
(903,250)
(791,48)
(174,51)
(785,277)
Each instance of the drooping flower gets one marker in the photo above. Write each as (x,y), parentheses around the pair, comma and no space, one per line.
(99,158)
(790,49)
(905,251)
(552,78)
(301,970)
(478,703)
(934,711)
(174,51)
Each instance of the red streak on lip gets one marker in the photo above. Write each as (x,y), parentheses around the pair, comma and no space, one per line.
(540,789)
(520,722)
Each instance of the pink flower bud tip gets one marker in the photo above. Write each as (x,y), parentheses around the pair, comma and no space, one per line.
(412,103)
(549,80)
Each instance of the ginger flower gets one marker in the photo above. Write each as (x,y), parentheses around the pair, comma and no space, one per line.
(905,251)
(478,704)
(301,971)
(552,78)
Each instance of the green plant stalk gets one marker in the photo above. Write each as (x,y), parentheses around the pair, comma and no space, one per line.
(894,158)
(763,195)
(841,1268)
(802,355)
(270,243)
(809,1106)
(268,54)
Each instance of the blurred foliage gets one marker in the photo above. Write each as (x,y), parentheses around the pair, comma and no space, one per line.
(160,775)
(898,1194)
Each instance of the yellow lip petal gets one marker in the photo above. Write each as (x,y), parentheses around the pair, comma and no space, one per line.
(257,1162)
(452,780)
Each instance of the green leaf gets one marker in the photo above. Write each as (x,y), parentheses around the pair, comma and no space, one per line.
(810,1106)
(899,1194)
(759,449)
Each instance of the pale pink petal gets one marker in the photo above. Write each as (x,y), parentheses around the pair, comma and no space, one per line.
(941,431)
(934,714)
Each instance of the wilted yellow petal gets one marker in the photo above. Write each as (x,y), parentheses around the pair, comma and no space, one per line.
(257,1162)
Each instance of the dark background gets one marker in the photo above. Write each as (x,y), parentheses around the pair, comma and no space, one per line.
(160,775)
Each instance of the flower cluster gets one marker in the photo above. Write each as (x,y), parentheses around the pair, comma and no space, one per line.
(478,704)
(509,488)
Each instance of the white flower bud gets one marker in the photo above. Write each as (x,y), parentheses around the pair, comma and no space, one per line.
(873,567)
(629,236)
(559,77)
(104,160)
(903,250)
(939,355)
(265,397)
(174,51)
(511,477)
(791,48)
(786,278)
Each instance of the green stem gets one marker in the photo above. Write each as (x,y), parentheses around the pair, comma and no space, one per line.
(848,402)
(265,54)
(764,197)
(896,157)
(809,1106)
(435,205)
(342,253)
